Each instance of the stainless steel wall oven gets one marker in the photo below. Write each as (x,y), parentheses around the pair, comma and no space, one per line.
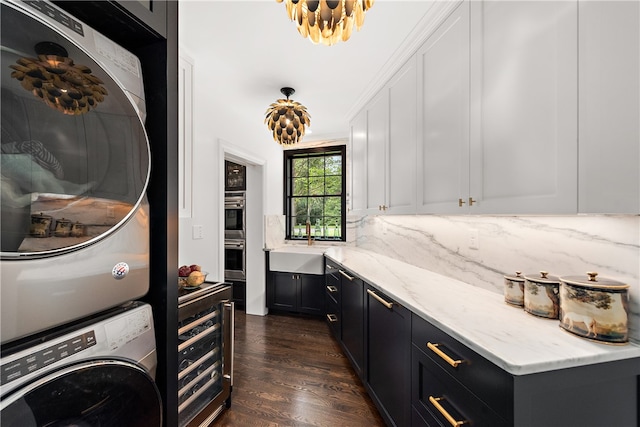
(234,215)
(234,259)
(205,353)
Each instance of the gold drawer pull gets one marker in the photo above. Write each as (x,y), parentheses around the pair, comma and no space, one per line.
(387,304)
(346,275)
(332,289)
(332,318)
(445,357)
(435,401)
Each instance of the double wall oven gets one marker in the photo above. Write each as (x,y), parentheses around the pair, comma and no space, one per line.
(234,236)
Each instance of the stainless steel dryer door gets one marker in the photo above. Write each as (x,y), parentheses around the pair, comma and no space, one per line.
(101,393)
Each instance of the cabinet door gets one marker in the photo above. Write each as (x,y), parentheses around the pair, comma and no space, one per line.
(358,161)
(443,116)
(609,105)
(377,120)
(311,294)
(284,291)
(401,152)
(353,320)
(388,353)
(524,107)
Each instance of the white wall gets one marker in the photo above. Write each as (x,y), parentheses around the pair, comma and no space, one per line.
(248,135)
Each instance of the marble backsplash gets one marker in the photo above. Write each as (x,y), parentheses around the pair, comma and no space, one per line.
(561,245)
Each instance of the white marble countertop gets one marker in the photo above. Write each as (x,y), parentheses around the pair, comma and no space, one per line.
(514,340)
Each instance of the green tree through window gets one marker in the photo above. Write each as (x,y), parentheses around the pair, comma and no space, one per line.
(314,192)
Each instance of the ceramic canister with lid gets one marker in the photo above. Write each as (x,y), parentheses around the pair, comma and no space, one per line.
(514,289)
(595,308)
(541,295)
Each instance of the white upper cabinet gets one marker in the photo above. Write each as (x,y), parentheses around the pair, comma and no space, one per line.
(524,81)
(383,146)
(358,161)
(401,152)
(609,107)
(443,116)
(521,107)
(377,129)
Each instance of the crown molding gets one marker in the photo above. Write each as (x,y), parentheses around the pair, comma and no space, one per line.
(431,20)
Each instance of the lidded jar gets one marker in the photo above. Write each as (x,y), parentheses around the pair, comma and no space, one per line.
(541,295)
(595,308)
(514,289)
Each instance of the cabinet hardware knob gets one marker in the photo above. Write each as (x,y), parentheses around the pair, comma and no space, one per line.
(471,201)
(461,202)
(445,357)
(435,401)
(378,298)
(332,289)
(332,318)
(346,275)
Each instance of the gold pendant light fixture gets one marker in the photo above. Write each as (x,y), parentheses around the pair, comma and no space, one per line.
(327,21)
(287,119)
(54,78)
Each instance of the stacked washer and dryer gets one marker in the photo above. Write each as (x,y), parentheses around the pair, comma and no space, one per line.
(77,348)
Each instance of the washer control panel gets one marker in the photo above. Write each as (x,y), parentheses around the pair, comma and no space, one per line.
(32,362)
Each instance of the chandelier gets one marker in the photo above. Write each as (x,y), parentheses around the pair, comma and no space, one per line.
(327,21)
(54,78)
(287,119)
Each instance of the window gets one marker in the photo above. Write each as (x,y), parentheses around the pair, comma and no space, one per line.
(315,192)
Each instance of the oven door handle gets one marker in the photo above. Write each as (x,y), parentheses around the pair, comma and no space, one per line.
(234,205)
(233,245)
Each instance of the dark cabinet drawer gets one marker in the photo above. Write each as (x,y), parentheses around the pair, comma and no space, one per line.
(333,288)
(333,317)
(490,383)
(441,401)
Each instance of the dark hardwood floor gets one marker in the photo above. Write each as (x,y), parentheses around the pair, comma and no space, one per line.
(289,371)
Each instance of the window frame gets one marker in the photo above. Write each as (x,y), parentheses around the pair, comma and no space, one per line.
(288,156)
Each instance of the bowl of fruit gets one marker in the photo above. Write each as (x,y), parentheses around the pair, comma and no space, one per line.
(191,276)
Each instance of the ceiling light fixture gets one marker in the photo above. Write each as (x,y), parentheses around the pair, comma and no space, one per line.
(62,85)
(287,119)
(327,21)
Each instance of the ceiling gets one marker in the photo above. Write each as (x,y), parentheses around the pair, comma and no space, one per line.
(256,50)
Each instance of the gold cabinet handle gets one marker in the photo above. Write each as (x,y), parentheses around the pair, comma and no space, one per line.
(471,201)
(332,289)
(445,357)
(387,304)
(461,202)
(435,401)
(346,275)
(332,318)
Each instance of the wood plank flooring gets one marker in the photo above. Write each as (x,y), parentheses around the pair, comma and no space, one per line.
(289,371)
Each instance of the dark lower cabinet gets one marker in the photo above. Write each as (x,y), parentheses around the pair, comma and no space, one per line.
(297,293)
(454,385)
(388,353)
(239,292)
(419,375)
(353,319)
